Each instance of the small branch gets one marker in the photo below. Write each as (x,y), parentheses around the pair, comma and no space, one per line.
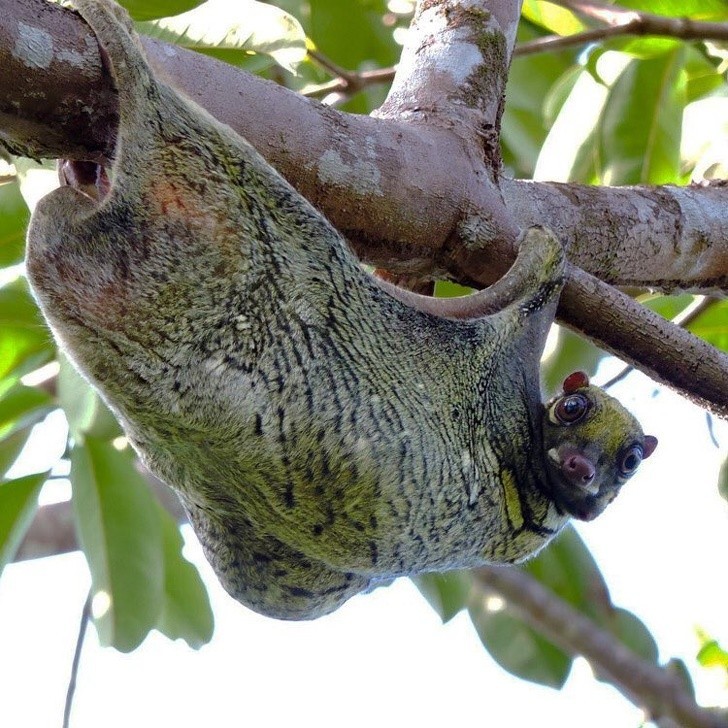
(698,307)
(71,691)
(648,686)
(633,22)
(665,352)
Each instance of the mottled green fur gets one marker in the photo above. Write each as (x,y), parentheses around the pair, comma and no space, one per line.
(322,434)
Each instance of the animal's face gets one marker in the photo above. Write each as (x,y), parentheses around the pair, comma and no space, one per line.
(593,446)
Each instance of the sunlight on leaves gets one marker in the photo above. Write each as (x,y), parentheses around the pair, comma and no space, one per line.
(247,25)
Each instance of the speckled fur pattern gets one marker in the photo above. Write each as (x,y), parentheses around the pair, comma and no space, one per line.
(322,435)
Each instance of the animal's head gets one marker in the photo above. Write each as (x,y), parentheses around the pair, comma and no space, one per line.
(593,445)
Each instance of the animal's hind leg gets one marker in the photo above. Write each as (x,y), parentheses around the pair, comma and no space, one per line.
(269,576)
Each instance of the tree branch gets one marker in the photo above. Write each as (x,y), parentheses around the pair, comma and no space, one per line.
(649,686)
(635,22)
(398,185)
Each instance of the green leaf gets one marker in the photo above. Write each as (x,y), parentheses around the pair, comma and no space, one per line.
(712,325)
(14,217)
(641,123)
(372,41)
(246,25)
(21,407)
(25,342)
(186,612)
(530,83)
(18,503)
(448,289)
(149,9)
(11,447)
(702,76)
(631,632)
(572,353)
(446,592)
(553,18)
(693,9)
(567,568)
(723,480)
(711,654)
(85,410)
(120,531)
(370,45)
(517,647)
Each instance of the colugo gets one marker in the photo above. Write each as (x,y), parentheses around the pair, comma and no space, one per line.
(323,435)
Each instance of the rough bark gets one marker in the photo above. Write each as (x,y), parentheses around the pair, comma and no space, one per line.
(398,185)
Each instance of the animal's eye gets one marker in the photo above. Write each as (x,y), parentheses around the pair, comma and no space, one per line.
(571,409)
(630,460)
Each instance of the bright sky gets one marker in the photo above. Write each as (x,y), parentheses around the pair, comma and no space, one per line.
(384,658)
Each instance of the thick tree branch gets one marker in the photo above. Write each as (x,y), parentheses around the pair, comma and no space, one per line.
(648,686)
(398,185)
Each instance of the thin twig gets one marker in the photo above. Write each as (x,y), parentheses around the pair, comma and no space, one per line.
(698,307)
(83,625)
(344,81)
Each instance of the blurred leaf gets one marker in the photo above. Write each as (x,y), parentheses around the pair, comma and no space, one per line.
(85,410)
(446,592)
(186,612)
(712,325)
(246,25)
(644,47)
(14,217)
(372,40)
(694,9)
(678,668)
(370,45)
(572,353)
(711,654)
(448,289)
(518,648)
(22,407)
(702,76)
(553,18)
(11,447)
(120,530)
(530,82)
(18,503)
(569,152)
(149,9)
(567,568)
(667,306)
(25,342)
(631,632)
(641,124)
(723,479)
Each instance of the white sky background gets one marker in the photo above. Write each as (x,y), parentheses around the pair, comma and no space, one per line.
(384,658)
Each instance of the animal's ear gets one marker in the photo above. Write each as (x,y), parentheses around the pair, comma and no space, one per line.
(575,380)
(648,446)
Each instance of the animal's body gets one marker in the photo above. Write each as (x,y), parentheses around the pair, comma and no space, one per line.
(322,434)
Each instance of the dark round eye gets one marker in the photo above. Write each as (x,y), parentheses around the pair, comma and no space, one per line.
(630,460)
(571,409)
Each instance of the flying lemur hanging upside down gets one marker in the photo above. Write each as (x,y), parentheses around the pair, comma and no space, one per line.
(322,434)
